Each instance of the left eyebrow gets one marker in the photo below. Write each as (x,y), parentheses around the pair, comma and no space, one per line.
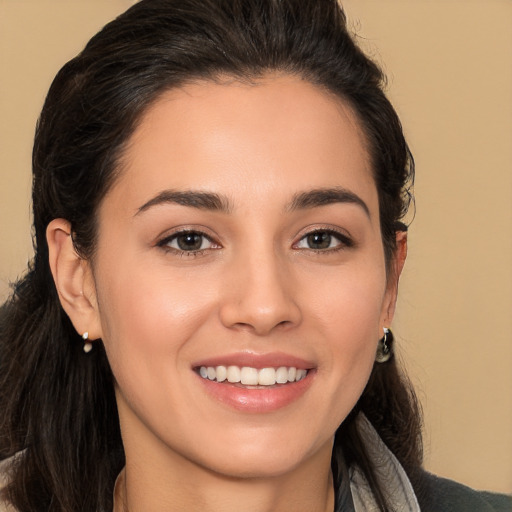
(324,196)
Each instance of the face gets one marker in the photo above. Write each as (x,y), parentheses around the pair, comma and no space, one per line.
(241,241)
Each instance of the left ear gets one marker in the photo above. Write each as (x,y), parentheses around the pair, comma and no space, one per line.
(396,266)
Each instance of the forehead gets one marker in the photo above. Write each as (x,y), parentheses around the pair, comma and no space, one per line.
(279,134)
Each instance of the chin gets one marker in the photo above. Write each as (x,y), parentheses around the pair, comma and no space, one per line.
(266,460)
(258,468)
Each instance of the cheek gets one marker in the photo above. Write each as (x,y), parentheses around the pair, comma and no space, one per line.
(347,315)
(349,303)
(147,316)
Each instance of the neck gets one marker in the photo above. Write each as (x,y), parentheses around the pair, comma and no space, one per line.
(147,484)
(226,496)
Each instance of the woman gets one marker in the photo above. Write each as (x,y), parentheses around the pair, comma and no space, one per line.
(218,195)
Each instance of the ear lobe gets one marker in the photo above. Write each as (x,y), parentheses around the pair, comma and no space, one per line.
(73,279)
(395,271)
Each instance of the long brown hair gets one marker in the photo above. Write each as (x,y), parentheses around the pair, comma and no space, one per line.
(57,404)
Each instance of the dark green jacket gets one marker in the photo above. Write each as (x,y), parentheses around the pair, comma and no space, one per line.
(442,495)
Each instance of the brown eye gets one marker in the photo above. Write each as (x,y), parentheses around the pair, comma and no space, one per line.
(190,241)
(319,240)
(324,240)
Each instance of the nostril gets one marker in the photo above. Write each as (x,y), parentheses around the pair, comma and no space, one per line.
(241,326)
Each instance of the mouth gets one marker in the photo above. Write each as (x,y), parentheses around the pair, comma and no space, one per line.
(250,377)
(255,383)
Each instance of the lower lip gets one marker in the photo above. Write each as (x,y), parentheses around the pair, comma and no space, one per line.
(257,400)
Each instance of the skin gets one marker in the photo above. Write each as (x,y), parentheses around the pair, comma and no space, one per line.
(257,286)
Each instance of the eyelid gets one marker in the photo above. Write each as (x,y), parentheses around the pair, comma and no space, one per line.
(184,229)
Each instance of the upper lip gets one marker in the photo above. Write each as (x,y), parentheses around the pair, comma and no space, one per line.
(255,360)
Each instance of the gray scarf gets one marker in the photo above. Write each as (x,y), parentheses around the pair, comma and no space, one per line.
(354,493)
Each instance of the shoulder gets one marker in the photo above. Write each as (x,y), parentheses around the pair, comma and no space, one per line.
(5,466)
(440,495)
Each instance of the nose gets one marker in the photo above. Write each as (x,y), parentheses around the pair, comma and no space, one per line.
(260,296)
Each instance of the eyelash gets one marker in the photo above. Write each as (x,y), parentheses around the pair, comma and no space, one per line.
(344,242)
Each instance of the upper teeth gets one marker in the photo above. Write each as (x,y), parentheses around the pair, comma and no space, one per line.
(253,376)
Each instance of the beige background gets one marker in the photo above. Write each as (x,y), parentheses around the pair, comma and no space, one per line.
(450,72)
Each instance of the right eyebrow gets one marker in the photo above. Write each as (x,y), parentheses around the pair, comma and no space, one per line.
(191,198)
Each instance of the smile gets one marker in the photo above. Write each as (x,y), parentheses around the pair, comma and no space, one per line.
(249,376)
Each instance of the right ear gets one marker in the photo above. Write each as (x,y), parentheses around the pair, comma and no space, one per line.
(73,279)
